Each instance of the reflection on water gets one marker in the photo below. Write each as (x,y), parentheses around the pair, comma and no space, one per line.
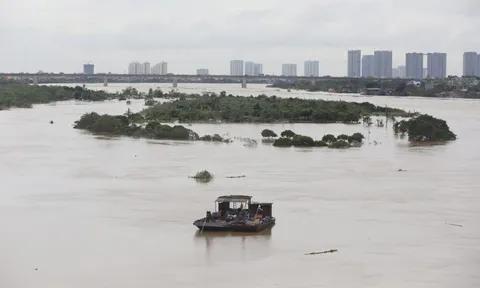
(211,234)
(102,137)
(216,241)
(89,212)
(170,143)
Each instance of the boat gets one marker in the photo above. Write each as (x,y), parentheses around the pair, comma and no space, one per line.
(237,213)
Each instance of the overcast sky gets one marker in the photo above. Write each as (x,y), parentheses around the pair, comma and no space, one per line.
(60,35)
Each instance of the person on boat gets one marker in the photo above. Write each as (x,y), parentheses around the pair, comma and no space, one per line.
(240,208)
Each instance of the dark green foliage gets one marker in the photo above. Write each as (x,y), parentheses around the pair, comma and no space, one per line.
(340,144)
(150,102)
(345,85)
(158,93)
(302,141)
(213,138)
(130,91)
(425,128)
(283,142)
(288,134)
(122,126)
(355,137)
(342,137)
(329,140)
(268,133)
(320,144)
(262,109)
(21,95)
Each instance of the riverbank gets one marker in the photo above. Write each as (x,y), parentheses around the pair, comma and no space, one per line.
(390,87)
(19,95)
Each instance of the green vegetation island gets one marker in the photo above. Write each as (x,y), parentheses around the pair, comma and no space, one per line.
(14,94)
(20,95)
(289,138)
(422,128)
(124,125)
(210,107)
(263,109)
(451,87)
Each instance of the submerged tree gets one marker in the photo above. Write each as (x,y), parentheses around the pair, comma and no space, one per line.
(203,176)
(288,134)
(267,133)
(425,128)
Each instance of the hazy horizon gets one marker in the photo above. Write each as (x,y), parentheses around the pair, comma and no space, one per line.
(60,36)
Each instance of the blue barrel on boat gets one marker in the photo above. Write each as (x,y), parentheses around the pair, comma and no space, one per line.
(214,214)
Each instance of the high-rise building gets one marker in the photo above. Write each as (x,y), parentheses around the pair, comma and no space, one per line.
(354,63)
(414,65)
(368,64)
(236,67)
(289,69)
(253,69)
(249,68)
(145,68)
(470,64)
(383,64)
(160,68)
(135,68)
(398,72)
(311,68)
(131,68)
(437,65)
(89,69)
(478,66)
(258,69)
(202,71)
(401,71)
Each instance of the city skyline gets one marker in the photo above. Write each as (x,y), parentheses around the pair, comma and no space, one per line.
(384,58)
(270,32)
(376,65)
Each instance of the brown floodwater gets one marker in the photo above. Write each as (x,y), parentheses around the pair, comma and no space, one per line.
(83,211)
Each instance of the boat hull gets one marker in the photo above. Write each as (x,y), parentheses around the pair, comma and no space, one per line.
(252,228)
(202,225)
(223,226)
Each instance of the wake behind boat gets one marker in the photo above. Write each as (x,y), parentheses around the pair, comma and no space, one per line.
(237,213)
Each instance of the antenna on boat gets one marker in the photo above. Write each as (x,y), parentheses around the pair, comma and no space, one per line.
(203,226)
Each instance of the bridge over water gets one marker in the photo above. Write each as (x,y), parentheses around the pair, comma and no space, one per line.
(37,78)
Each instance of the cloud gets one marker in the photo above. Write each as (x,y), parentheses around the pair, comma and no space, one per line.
(55,35)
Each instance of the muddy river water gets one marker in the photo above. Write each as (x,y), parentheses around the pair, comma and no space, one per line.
(83,211)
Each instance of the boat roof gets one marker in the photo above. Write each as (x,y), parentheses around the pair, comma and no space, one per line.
(263,203)
(233,198)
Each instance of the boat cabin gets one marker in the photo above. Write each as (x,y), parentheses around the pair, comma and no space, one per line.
(231,204)
(234,204)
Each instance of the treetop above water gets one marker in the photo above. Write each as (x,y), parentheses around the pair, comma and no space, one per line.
(264,109)
(20,95)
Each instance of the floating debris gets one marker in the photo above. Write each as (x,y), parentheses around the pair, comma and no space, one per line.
(232,177)
(323,252)
(202,176)
(452,224)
